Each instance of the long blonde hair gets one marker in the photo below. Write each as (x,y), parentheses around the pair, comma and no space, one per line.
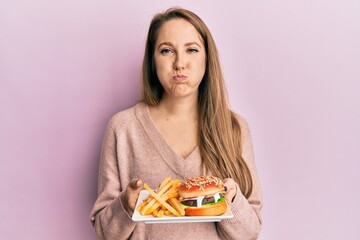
(219,129)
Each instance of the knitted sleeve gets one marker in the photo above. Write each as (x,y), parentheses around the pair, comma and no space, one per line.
(246,223)
(108,215)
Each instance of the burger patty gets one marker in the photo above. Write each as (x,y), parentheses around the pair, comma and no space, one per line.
(193,202)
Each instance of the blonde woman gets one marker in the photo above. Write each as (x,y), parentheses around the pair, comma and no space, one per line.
(182,128)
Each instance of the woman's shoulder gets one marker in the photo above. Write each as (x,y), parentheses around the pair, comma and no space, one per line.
(241,120)
(125,116)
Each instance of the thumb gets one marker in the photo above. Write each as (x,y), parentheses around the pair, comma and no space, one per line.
(136,184)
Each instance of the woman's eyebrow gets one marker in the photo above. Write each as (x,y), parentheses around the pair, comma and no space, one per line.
(165,43)
(186,44)
(192,43)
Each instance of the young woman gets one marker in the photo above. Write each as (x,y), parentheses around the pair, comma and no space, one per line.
(182,128)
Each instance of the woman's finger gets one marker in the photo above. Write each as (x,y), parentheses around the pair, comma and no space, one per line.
(230,189)
(130,195)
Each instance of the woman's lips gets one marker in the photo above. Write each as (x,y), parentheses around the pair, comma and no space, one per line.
(180,78)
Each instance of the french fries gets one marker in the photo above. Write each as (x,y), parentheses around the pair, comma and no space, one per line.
(163,201)
(175,203)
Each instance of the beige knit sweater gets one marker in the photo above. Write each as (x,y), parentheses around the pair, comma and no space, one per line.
(134,148)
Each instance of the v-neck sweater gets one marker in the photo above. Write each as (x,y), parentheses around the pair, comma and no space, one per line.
(133,147)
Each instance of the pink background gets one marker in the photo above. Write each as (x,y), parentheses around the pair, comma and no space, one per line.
(292,69)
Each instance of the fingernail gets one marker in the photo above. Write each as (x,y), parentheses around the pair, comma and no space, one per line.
(138,183)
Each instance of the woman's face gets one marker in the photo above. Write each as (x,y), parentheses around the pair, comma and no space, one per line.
(180,58)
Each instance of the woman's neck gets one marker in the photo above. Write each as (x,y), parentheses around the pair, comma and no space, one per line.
(178,107)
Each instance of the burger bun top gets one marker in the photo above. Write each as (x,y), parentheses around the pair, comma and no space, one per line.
(201,186)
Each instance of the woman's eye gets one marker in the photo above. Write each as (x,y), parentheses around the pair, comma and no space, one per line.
(165,51)
(193,50)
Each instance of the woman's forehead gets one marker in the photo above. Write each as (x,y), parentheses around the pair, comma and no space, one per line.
(178,31)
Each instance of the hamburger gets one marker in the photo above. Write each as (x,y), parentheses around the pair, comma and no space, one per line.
(203,196)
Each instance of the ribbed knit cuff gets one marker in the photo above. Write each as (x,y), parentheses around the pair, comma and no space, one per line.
(121,220)
(238,205)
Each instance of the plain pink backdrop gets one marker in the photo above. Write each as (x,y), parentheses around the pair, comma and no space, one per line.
(292,69)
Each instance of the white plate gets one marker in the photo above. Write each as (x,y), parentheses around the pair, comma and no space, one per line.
(137,217)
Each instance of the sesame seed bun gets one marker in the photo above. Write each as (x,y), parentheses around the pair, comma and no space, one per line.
(201,186)
(205,186)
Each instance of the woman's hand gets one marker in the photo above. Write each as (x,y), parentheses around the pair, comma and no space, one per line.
(230,189)
(130,195)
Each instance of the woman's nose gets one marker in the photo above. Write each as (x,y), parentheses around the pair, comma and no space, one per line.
(179,63)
